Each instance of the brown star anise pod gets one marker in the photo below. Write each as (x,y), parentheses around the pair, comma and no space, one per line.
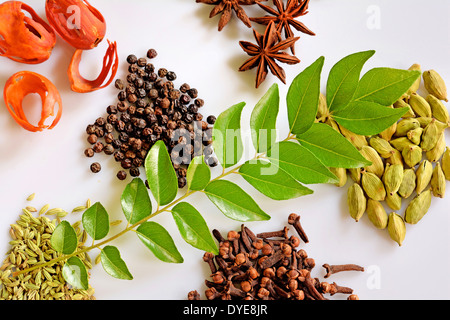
(266,52)
(226,7)
(284,17)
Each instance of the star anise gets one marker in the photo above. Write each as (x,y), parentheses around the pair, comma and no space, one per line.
(266,52)
(226,7)
(284,17)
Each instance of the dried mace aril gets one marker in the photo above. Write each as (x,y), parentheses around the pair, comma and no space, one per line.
(266,266)
(266,52)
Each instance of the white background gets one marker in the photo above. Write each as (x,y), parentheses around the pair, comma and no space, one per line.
(52,163)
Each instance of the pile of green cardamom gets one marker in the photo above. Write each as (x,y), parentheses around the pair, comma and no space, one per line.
(410,160)
(30,245)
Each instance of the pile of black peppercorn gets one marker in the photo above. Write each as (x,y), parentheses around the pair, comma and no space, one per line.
(150,109)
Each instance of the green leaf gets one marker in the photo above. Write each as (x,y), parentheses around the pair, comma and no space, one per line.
(113,264)
(135,201)
(263,120)
(331,148)
(96,221)
(344,78)
(193,228)
(385,85)
(234,202)
(64,238)
(161,175)
(300,163)
(198,174)
(227,140)
(271,181)
(159,241)
(303,98)
(75,273)
(368,118)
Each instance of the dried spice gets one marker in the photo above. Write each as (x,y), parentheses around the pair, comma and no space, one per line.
(267,266)
(150,109)
(22,38)
(226,8)
(284,17)
(23,83)
(266,52)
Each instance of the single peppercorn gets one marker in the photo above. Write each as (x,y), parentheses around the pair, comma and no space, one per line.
(132,59)
(151,53)
(89,152)
(96,167)
(121,175)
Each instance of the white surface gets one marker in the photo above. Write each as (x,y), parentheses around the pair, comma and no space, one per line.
(52,163)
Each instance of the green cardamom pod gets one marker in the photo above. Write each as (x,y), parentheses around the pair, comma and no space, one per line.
(430,136)
(355,174)
(415,135)
(357,140)
(406,125)
(416,84)
(373,186)
(382,146)
(341,174)
(412,155)
(377,214)
(423,174)
(445,164)
(438,109)
(396,158)
(394,201)
(400,103)
(436,153)
(420,106)
(401,143)
(356,201)
(435,84)
(372,155)
(322,112)
(396,228)
(408,184)
(424,121)
(332,123)
(438,182)
(392,178)
(418,207)
(389,132)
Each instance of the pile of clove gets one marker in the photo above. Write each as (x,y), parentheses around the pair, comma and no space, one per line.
(268,266)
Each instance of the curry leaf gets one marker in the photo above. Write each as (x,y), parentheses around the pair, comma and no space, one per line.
(161,176)
(75,273)
(271,181)
(64,238)
(96,221)
(198,174)
(303,98)
(193,227)
(300,163)
(227,140)
(113,264)
(234,202)
(384,86)
(344,78)
(159,241)
(263,120)
(331,147)
(368,118)
(135,201)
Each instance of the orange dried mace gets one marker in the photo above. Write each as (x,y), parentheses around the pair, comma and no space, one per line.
(22,84)
(22,38)
(77,22)
(110,63)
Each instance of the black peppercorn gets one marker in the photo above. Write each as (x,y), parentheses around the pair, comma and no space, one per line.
(90,129)
(199,103)
(132,59)
(185,87)
(92,139)
(149,68)
(131,78)
(122,96)
(162,72)
(193,93)
(126,163)
(119,156)
(119,84)
(109,138)
(134,172)
(98,147)
(211,119)
(121,175)
(89,152)
(142,62)
(212,162)
(96,167)
(151,53)
(133,68)
(181,182)
(108,149)
(171,76)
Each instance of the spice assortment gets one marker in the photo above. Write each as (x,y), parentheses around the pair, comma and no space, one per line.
(149,109)
(268,266)
(30,245)
(408,160)
(270,45)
